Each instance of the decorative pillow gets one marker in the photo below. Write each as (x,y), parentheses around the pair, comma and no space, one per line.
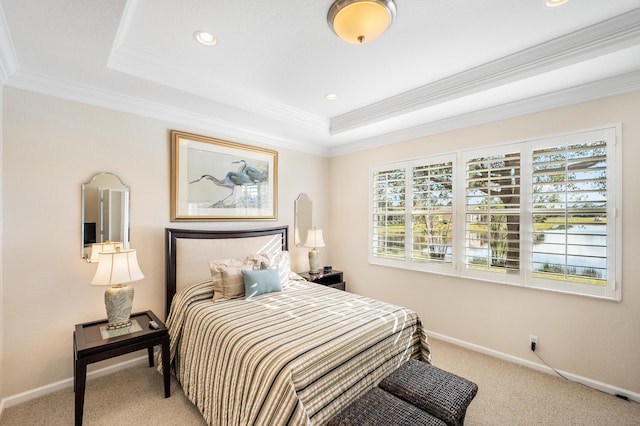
(260,282)
(226,275)
(216,275)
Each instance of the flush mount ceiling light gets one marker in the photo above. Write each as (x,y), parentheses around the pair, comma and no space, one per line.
(554,3)
(204,37)
(361,21)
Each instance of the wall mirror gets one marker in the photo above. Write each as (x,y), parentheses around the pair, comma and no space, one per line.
(302,219)
(105,214)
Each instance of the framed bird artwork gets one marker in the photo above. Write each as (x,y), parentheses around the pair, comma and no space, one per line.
(212,179)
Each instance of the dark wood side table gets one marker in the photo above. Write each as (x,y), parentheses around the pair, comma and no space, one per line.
(331,279)
(89,345)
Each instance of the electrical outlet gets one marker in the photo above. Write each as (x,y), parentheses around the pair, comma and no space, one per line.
(533,340)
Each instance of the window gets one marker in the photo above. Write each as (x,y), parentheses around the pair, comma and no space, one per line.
(539,214)
(389,214)
(492,213)
(432,213)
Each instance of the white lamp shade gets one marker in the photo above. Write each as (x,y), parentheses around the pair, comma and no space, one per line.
(117,267)
(97,248)
(314,238)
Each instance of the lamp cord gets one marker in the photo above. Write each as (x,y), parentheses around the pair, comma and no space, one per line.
(556,371)
(624,397)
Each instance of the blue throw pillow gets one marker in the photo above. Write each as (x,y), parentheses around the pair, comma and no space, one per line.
(260,282)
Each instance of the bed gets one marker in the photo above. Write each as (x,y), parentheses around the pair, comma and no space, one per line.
(296,354)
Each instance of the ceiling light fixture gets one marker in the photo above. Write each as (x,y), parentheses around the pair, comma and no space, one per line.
(361,21)
(204,37)
(332,96)
(554,3)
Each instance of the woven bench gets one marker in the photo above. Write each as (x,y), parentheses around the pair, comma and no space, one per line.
(378,407)
(415,394)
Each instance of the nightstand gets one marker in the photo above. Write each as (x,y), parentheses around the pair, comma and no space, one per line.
(331,279)
(93,343)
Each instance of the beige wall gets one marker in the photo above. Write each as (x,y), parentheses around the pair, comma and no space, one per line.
(596,339)
(52,146)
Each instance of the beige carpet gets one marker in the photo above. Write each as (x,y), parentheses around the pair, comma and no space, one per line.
(134,396)
(509,395)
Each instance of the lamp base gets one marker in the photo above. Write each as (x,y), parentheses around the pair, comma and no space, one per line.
(314,261)
(118,301)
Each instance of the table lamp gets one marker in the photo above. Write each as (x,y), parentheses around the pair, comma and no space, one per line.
(116,269)
(314,240)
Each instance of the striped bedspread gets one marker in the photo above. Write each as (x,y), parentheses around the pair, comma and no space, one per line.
(295,357)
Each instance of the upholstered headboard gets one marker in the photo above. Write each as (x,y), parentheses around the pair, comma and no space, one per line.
(189,252)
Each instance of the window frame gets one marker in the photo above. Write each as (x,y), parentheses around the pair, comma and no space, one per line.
(525,278)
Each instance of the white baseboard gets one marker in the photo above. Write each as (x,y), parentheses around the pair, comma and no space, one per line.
(66,383)
(603,387)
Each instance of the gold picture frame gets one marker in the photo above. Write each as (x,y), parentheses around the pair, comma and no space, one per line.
(212,179)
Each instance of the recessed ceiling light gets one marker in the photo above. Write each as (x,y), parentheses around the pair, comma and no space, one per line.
(332,96)
(204,37)
(554,3)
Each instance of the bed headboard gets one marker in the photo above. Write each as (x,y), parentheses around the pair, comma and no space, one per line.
(189,252)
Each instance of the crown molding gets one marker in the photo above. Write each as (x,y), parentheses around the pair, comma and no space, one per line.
(613,86)
(219,128)
(604,37)
(224,129)
(8,59)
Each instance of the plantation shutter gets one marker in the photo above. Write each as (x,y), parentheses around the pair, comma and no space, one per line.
(492,213)
(570,213)
(432,213)
(389,209)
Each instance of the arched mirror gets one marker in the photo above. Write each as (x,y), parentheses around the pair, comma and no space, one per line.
(302,219)
(105,214)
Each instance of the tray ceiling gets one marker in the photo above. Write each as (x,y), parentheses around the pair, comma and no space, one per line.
(441,65)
